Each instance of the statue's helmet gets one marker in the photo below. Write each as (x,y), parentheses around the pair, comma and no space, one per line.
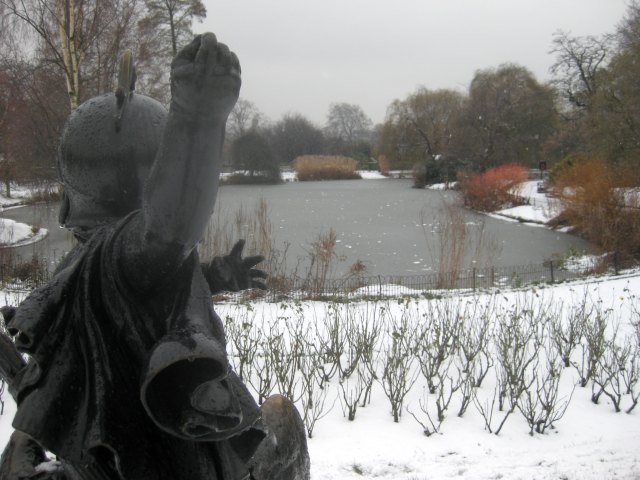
(106,151)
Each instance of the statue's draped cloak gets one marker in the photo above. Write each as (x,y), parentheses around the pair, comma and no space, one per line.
(113,371)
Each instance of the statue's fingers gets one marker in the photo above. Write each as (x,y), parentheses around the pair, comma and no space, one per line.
(234,64)
(188,52)
(257,273)
(237,249)
(182,72)
(207,52)
(223,55)
(182,65)
(226,62)
(252,261)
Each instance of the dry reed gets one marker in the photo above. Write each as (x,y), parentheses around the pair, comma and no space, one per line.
(319,167)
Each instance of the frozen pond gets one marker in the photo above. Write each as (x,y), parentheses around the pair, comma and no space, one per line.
(389,226)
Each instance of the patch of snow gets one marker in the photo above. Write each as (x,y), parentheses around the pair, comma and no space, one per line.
(442,186)
(525,213)
(540,210)
(16,234)
(371,175)
(583,263)
(19,195)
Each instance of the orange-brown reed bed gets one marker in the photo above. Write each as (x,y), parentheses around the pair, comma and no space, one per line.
(321,167)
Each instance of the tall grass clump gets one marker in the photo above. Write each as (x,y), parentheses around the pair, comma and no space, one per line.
(319,167)
(312,272)
(494,189)
(384,165)
(451,241)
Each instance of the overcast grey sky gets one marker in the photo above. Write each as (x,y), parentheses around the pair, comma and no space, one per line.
(302,55)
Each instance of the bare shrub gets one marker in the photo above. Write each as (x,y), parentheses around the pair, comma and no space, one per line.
(542,406)
(594,340)
(398,376)
(608,378)
(566,332)
(288,348)
(314,391)
(244,338)
(438,338)
(45,191)
(631,377)
(474,356)
(363,329)
(263,380)
(352,390)
(331,341)
(517,348)
(30,272)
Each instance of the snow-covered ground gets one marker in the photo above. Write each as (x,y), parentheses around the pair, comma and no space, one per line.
(591,442)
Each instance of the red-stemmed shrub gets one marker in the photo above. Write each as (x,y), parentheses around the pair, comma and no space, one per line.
(494,189)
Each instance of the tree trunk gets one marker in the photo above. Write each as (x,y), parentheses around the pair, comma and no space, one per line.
(65,13)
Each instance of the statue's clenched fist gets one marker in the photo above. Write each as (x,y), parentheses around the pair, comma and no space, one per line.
(205,79)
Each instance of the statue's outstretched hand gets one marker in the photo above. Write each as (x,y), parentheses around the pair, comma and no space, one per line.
(205,79)
(233,273)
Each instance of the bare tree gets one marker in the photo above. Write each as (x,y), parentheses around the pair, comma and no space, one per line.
(83,38)
(294,135)
(348,122)
(579,61)
(244,117)
(422,127)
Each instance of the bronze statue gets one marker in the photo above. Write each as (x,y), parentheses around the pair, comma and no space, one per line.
(128,376)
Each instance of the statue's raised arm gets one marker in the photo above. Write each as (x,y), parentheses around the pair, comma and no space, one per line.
(181,189)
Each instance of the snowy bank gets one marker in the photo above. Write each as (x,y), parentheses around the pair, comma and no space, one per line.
(14,234)
(590,442)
